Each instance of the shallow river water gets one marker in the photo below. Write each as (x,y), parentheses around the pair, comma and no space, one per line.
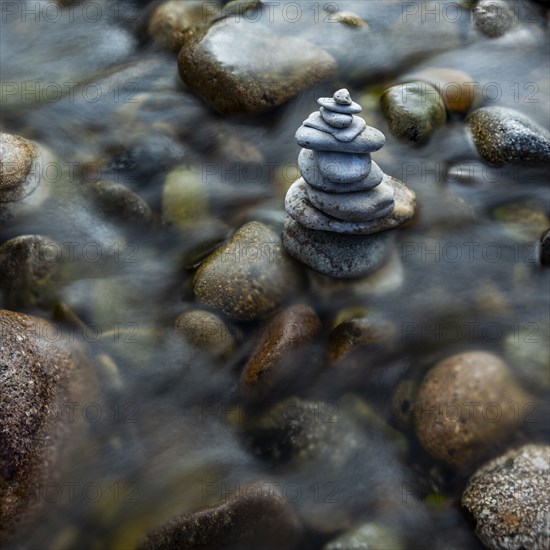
(170,433)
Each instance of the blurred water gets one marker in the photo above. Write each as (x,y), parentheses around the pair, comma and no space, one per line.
(109,103)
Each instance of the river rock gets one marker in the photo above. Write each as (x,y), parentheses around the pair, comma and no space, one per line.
(341,256)
(413,111)
(330,179)
(248,277)
(207,331)
(466,405)
(40,376)
(174,22)
(30,271)
(282,347)
(336,119)
(355,207)
(256,517)
(117,201)
(503,135)
(299,208)
(342,194)
(241,67)
(456,88)
(22,185)
(508,498)
(493,18)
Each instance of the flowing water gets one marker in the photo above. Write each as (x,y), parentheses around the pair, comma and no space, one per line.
(91,87)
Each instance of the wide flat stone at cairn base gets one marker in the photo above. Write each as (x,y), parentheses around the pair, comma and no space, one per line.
(340,256)
(315,120)
(299,207)
(355,207)
(368,141)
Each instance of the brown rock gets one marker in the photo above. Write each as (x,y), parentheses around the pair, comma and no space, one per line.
(466,404)
(248,277)
(508,498)
(29,270)
(175,21)
(39,378)
(283,342)
(246,68)
(207,331)
(256,517)
(456,88)
(16,158)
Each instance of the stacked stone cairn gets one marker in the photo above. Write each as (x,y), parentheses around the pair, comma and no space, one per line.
(342,206)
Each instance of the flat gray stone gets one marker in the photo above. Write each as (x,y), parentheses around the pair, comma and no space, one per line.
(336,119)
(331,105)
(342,97)
(310,170)
(343,167)
(340,256)
(368,141)
(315,120)
(299,207)
(355,207)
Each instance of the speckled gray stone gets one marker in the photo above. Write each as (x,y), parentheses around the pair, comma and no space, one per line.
(504,135)
(341,256)
(331,105)
(334,176)
(493,18)
(342,97)
(315,120)
(508,498)
(300,209)
(369,140)
(355,207)
(343,167)
(335,119)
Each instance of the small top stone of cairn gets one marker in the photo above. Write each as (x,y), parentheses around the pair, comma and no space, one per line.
(343,201)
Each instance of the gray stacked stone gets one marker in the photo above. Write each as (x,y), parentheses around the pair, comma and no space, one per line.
(343,200)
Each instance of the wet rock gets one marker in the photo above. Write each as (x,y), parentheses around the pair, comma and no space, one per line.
(282,348)
(30,271)
(300,209)
(493,18)
(508,498)
(358,335)
(257,517)
(523,221)
(40,377)
(207,332)
(174,22)
(184,198)
(117,202)
(369,536)
(22,185)
(248,277)
(503,135)
(350,19)
(242,67)
(302,431)
(466,405)
(341,256)
(456,88)
(545,248)
(413,111)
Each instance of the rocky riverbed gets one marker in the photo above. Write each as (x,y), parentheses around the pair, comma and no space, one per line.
(184,365)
